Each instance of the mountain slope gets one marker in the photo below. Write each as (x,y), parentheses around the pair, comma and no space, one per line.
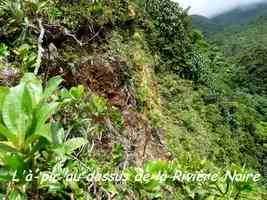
(245,46)
(205,24)
(241,15)
(235,40)
(237,16)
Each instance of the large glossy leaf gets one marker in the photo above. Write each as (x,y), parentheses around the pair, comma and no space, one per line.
(13,114)
(34,87)
(52,85)
(27,104)
(3,92)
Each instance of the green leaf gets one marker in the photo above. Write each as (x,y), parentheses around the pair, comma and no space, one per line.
(44,113)
(14,117)
(211,197)
(3,92)
(5,176)
(27,103)
(5,147)
(10,107)
(45,132)
(77,92)
(3,50)
(117,118)
(97,105)
(56,12)
(36,146)
(42,143)
(60,150)
(34,86)
(16,195)
(7,133)
(247,188)
(156,166)
(74,143)
(52,85)
(14,162)
(57,133)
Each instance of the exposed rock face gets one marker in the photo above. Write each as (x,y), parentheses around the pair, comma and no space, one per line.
(109,79)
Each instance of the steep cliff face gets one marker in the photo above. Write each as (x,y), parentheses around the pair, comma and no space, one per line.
(113,62)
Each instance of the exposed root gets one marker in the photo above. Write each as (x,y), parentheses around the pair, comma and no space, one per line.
(67,33)
(58,34)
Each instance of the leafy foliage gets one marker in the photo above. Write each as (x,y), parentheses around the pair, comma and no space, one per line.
(26,132)
(236,17)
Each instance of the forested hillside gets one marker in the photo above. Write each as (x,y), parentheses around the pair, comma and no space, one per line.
(205,24)
(125,99)
(241,15)
(236,40)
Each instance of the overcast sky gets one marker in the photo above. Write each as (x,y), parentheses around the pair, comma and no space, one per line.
(212,7)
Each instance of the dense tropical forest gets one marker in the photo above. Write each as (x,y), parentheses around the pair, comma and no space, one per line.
(128,99)
(239,16)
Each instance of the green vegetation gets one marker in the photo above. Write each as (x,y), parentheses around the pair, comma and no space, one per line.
(239,16)
(245,37)
(113,99)
(206,25)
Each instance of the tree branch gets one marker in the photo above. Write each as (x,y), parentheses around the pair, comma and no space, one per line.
(40,48)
